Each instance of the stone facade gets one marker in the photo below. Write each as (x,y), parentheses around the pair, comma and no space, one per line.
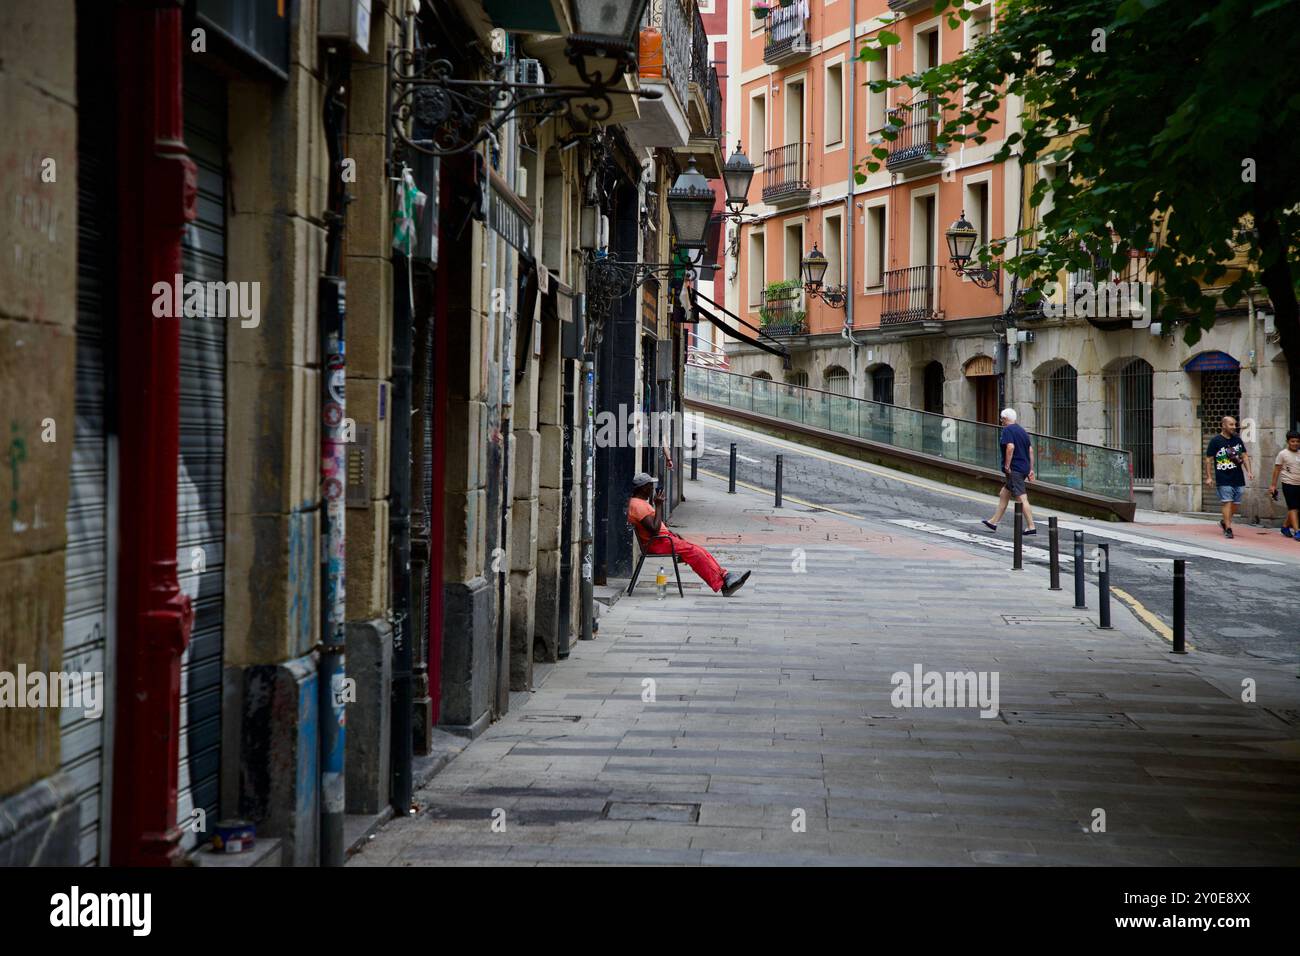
(1177,433)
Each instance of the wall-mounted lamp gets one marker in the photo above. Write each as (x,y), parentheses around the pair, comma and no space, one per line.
(962,237)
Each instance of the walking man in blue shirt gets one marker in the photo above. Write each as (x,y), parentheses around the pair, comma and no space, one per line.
(1018,466)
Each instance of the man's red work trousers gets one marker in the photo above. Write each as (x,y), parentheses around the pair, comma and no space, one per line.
(701,562)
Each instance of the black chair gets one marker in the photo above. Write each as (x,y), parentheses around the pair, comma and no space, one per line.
(636,573)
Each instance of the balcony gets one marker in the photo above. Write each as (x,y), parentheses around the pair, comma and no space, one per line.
(787,37)
(664,122)
(914,151)
(783,314)
(785,175)
(704,113)
(911,300)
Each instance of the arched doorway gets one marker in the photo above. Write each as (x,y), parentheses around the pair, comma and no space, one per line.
(1220,376)
(934,388)
(980,373)
(1129,413)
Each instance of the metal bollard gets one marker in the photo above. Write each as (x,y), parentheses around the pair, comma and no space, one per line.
(731,475)
(1080,598)
(1180,605)
(1054,555)
(695,464)
(779,470)
(1103,588)
(1017,559)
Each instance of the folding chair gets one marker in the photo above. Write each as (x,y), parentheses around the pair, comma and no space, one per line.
(636,573)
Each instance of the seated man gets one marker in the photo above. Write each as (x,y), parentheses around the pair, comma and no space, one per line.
(657,538)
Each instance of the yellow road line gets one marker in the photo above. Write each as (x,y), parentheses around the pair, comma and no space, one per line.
(879,473)
(1149,618)
(785,497)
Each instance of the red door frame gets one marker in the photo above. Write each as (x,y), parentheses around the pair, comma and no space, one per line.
(157,192)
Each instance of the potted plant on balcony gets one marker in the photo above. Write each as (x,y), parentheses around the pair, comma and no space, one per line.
(779,313)
(761,9)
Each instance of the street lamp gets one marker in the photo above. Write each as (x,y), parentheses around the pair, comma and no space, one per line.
(737,175)
(438,114)
(690,203)
(962,236)
(814,267)
(604,30)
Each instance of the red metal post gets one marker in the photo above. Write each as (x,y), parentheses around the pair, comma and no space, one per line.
(157,192)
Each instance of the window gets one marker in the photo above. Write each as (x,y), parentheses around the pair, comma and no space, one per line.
(834,237)
(924,229)
(977,211)
(979,25)
(837,380)
(794,112)
(875,246)
(757,268)
(1058,402)
(876,102)
(834,104)
(765,376)
(793,251)
(882,384)
(797,378)
(1128,411)
(927,49)
(757,129)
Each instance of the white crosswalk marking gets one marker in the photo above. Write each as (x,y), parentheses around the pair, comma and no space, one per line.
(1091,531)
(727,451)
(986,541)
(1156,544)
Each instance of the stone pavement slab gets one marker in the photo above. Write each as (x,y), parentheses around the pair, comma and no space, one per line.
(762,730)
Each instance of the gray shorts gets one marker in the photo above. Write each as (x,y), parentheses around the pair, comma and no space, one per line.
(1015,483)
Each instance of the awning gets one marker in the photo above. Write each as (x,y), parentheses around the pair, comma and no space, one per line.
(771,345)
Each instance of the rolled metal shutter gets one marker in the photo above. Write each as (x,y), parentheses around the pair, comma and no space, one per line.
(200,537)
(89,583)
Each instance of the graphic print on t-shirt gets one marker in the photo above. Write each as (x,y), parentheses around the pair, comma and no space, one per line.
(1228,457)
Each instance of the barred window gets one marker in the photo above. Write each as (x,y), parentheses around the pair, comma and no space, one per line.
(1058,402)
(1129,389)
(837,380)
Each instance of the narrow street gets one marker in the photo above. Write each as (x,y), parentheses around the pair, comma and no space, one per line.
(1241,594)
(774,706)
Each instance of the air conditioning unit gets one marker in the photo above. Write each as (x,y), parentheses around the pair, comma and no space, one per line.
(346,20)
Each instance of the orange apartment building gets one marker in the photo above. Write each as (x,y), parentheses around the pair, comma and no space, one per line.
(912,332)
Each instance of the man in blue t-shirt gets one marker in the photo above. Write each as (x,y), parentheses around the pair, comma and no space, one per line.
(1017,453)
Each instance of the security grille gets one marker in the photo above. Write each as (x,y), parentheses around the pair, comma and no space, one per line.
(797,378)
(1058,405)
(1128,413)
(837,381)
(1220,395)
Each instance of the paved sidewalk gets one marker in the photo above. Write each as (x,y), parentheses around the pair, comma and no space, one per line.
(778,701)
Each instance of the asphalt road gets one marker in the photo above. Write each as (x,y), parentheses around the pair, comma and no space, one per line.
(1233,608)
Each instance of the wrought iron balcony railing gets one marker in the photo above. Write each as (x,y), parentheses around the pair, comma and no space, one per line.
(672,19)
(911,295)
(786,33)
(916,134)
(785,172)
(699,50)
(713,95)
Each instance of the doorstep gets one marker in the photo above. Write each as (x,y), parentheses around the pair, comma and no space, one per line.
(266,851)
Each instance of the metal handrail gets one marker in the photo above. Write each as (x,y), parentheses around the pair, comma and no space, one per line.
(929,422)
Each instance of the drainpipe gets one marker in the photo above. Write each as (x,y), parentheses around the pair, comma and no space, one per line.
(154,616)
(331,670)
(849,215)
